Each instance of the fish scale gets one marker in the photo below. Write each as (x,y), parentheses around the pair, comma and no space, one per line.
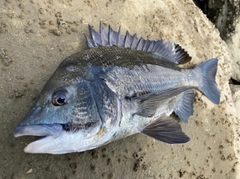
(156,79)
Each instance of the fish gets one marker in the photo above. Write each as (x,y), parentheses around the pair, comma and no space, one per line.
(120,86)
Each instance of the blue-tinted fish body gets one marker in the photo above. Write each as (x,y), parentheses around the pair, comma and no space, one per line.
(121,86)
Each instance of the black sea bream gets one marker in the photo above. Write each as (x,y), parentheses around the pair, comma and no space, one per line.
(120,86)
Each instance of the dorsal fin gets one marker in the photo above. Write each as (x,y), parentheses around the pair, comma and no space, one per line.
(160,50)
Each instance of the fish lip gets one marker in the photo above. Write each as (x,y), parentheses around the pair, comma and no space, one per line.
(38,130)
(35,147)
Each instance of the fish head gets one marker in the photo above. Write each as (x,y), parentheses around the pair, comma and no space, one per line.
(65,116)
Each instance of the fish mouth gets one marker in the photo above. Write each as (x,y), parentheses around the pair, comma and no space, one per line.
(46,132)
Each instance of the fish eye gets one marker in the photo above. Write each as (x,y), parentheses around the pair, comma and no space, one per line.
(60,97)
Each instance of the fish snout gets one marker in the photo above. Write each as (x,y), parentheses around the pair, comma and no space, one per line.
(38,130)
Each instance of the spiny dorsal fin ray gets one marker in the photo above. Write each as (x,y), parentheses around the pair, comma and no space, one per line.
(104,36)
(113,36)
(160,50)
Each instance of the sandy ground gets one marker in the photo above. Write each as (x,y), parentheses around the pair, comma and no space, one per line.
(35,36)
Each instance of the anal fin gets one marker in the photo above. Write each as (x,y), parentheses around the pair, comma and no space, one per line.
(166,130)
(184,108)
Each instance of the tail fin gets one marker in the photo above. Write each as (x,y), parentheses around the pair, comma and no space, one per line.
(209,87)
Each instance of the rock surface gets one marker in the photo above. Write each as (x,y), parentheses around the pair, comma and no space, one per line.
(234,51)
(222,13)
(36,36)
(236,95)
(226,17)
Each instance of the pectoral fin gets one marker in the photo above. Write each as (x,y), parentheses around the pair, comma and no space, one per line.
(166,130)
(150,102)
